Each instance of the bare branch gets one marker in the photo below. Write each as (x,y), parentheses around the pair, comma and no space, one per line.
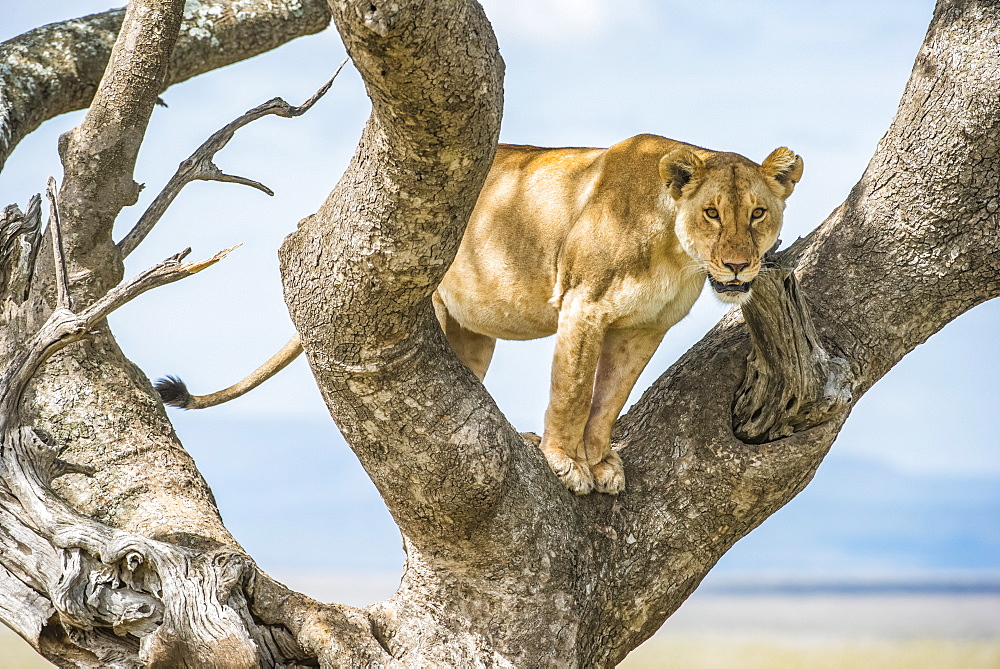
(96,575)
(307,105)
(56,68)
(64,327)
(200,165)
(62,283)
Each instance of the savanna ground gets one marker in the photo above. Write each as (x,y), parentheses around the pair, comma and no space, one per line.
(714,631)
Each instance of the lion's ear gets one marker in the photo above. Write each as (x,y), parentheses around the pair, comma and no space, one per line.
(679,168)
(785,168)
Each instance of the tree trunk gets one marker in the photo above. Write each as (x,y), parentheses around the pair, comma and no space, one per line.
(504,566)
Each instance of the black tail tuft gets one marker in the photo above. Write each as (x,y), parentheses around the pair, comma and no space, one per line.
(173,392)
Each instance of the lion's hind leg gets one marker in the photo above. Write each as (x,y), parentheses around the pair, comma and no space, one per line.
(473,349)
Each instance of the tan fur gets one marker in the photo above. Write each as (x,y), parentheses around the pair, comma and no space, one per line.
(607,249)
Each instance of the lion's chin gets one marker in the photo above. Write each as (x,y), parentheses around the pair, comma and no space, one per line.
(732,292)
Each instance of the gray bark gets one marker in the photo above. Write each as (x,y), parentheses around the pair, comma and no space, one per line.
(140,536)
(504,566)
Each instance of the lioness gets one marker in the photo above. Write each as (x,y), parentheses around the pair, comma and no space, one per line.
(605,248)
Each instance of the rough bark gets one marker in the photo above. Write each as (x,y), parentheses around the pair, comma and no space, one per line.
(56,68)
(504,566)
(136,547)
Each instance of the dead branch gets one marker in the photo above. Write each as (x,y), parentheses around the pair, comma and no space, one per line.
(64,327)
(62,283)
(791,382)
(95,575)
(200,165)
(20,239)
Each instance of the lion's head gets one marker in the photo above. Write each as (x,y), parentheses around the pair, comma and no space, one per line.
(729,211)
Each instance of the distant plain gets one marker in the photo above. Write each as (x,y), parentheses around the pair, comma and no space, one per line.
(720,630)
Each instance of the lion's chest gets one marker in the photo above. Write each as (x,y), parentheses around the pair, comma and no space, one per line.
(656,301)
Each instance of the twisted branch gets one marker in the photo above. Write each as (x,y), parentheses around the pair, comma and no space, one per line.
(791,382)
(20,239)
(96,575)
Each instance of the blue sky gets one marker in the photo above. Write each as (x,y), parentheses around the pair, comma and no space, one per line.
(908,483)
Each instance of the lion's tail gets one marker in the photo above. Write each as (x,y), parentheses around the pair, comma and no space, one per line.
(174,392)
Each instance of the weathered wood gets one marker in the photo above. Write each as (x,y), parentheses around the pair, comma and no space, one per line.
(90,574)
(791,382)
(20,239)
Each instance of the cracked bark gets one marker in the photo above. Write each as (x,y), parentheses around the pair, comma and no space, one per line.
(504,567)
(180,593)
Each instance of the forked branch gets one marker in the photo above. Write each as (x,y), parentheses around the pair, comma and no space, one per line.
(200,165)
(64,327)
(94,575)
(87,594)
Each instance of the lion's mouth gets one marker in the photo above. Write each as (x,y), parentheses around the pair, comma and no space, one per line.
(730,286)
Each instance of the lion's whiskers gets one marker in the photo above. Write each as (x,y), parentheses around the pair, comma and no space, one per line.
(693,267)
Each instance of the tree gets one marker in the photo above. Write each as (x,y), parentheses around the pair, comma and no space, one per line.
(129,563)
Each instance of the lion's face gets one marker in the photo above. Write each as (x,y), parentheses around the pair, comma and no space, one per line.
(729,212)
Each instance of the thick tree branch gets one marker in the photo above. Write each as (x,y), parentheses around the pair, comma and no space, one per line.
(377,248)
(919,235)
(99,155)
(915,245)
(56,68)
(470,495)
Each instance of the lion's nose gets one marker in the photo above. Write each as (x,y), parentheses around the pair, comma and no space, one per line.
(736,266)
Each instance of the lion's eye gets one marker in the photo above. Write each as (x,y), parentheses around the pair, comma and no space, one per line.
(758,213)
(712,213)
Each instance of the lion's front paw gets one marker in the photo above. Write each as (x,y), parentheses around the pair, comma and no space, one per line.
(574,476)
(609,475)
